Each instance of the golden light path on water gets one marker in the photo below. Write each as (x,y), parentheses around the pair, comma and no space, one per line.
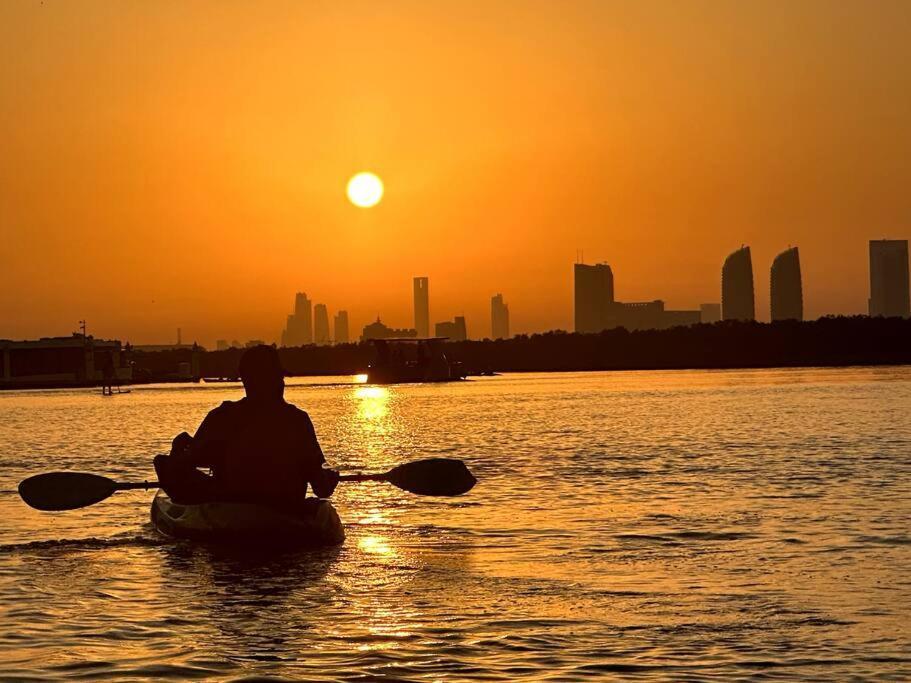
(662,525)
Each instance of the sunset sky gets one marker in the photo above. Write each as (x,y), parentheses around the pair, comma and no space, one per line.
(170,164)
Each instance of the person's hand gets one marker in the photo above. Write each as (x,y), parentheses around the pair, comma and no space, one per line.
(328,481)
(331,480)
(181,444)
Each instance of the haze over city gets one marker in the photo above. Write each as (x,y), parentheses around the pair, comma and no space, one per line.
(169,177)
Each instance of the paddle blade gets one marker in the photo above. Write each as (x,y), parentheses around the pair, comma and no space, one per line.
(56,491)
(433,477)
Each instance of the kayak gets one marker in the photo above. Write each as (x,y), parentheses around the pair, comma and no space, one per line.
(315,524)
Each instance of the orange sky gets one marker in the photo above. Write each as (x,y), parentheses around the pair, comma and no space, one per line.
(184,164)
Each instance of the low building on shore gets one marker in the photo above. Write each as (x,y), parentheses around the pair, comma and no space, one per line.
(52,362)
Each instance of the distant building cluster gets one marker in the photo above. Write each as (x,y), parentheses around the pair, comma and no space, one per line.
(309,324)
(379,330)
(455,329)
(595,308)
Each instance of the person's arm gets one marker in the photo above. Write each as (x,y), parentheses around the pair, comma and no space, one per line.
(202,450)
(322,479)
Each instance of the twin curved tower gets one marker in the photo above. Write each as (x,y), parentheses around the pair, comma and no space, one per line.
(786,288)
(737,301)
(737,295)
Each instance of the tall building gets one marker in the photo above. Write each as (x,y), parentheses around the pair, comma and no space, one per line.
(299,327)
(455,330)
(737,302)
(341,327)
(303,314)
(786,289)
(499,318)
(889,294)
(709,313)
(320,324)
(422,306)
(593,296)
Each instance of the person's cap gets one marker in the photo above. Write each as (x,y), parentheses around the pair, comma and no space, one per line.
(260,361)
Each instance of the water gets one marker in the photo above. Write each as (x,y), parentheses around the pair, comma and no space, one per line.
(657,525)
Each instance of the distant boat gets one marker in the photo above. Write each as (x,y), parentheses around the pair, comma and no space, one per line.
(216,380)
(412,359)
(108,390)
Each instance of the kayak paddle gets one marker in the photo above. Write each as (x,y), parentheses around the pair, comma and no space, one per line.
(431,477)
(55,491)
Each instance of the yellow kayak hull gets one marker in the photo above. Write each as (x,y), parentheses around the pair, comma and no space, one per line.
(315,524)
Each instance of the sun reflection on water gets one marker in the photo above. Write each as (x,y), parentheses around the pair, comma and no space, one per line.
(376,545)
(374,403)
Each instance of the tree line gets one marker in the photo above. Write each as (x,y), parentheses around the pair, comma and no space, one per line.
(829,341)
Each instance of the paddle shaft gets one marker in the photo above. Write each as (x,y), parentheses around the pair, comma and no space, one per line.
(364,477)
(129,486)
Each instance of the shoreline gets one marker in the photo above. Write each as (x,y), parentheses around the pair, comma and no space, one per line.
(470,376)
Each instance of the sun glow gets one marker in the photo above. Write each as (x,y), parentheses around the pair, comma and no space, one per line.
(365,189)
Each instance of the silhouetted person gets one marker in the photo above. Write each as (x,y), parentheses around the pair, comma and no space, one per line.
(260,449)
(107,371)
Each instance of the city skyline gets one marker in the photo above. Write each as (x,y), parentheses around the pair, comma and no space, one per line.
(888,272)
(656,154)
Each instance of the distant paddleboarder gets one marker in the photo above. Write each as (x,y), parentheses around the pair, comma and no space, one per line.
(259,449)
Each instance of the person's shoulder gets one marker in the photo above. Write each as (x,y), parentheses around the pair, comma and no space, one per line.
(226,408)
(298,414)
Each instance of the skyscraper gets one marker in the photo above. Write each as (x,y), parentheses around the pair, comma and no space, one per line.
(298,329)
(499,318)
(422,306)
(320,324)
(889,294)
(737,301)
(304,320)
(341,327)
(593,296)
(786,289)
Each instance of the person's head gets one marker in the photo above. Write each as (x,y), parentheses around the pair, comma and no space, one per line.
(261,372)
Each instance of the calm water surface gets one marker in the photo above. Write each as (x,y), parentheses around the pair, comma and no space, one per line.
(657,525)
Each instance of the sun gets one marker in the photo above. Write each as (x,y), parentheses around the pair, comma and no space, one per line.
(365,189)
